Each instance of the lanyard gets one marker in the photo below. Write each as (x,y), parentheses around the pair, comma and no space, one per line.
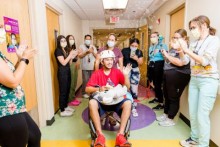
(196,51)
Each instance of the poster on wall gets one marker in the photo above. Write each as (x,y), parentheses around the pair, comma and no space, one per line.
(12,34)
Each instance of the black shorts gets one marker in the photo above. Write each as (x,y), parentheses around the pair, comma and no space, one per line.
(106,108)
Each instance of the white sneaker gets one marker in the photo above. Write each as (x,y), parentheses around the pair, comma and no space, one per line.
(167,123)
(162,117)
(66,113)
(188,143)
(85,96)
(69,109)
(134,112)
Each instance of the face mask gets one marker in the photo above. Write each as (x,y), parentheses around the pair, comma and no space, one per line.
(63,44)
(175,45)
(87,42)
(133,48)
(196,33)
(13,42)
(111,43)
(2,35)
(71,42)
(153,40)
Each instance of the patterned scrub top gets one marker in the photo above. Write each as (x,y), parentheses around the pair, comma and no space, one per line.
(12,101)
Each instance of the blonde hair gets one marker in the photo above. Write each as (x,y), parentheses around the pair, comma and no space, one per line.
(202,19)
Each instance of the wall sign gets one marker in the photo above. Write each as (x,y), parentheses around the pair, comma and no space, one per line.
(12,34)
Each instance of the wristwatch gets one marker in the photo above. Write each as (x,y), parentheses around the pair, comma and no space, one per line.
(25,60)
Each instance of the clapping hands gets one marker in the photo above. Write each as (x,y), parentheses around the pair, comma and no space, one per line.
(126,70)
(23,52)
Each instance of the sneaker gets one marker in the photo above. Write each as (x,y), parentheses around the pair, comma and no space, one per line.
(162,117)
(121,141)
(167,123)
(85,96)
(155,100)
(66,113)
(69,109)
(188,143)
(158,107)
(74,103)
(100,141)
(134,112)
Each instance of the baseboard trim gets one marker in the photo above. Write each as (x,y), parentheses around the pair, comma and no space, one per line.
(50,122)
(186,120)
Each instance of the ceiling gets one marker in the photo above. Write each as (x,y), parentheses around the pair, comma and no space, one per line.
(93,9)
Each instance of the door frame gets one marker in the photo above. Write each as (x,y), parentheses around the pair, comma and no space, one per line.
(38,24)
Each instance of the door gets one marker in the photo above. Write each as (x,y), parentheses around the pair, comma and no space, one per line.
(177,20)
(53,29)
(142,35)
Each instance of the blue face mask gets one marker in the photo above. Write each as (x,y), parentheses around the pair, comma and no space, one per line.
(88,42)
(111,43)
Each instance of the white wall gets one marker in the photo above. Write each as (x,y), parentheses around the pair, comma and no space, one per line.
(193,8)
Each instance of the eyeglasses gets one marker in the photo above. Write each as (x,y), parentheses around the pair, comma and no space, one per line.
(192,28)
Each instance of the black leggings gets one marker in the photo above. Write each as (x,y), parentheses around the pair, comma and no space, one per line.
(174,84)
(64,79)
(158,79)
(19,130)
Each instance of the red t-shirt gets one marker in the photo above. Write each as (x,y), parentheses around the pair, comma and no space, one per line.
(99,78)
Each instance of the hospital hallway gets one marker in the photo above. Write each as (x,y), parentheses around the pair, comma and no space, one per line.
(145,132)
(65,43)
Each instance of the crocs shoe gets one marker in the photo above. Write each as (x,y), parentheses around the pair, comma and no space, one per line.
(121,141)
(74,103)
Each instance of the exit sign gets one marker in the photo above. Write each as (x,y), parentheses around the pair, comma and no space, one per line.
(114,19)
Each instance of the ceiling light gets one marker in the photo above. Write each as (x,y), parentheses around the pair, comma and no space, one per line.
(115,4)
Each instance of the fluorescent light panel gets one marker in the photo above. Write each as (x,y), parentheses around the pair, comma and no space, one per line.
(115,4)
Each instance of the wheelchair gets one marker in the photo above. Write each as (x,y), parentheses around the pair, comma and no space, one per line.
(107,119)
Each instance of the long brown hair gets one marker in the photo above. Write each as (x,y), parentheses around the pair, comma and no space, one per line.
(68,43)
(201,20)
(183,34)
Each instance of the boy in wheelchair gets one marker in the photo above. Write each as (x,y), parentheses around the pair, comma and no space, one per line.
(105,86)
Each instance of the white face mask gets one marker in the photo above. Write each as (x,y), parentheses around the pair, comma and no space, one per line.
(13,42)
(133,49)
(2,35)
(63,44)
(71,42)
(111,43)
(196,33)
(88,42)
(175,45)
(153,40)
